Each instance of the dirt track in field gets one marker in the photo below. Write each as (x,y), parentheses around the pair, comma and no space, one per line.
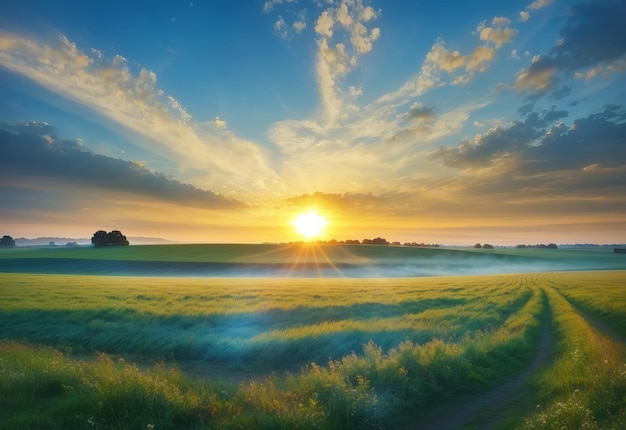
(492,404)
(500,395)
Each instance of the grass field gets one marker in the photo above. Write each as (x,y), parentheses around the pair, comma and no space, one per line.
(120,352)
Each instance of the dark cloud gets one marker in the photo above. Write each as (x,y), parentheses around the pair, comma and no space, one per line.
(498,141)
(419,119)
(538,144)
(561,93)
(555,115)
(526,109)
(421,113)
(31,150)
(533,168)
(593,35)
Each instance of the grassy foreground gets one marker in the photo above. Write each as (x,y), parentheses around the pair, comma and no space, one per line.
(307,353)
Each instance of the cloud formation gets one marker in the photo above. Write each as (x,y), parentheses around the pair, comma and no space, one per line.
(343,37)
(544,144)
(498,34)
(32,150)
(133,100)
(590,45)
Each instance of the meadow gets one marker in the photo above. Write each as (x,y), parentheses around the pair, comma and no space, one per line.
(508,350)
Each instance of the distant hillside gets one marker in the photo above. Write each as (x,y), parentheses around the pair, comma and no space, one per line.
(61,241)
(138,240)
(267,261)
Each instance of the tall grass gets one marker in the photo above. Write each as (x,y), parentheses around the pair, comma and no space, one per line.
(362,354)
(335,354)
(600,295)
(274,324)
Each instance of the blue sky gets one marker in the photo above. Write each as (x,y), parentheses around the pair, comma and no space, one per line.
(450,122)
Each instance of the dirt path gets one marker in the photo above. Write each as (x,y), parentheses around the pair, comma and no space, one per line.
(500,395)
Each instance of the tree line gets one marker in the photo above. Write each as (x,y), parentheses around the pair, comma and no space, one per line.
(366,241)
(100,239)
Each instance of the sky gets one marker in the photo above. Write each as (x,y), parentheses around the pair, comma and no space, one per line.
(219,121)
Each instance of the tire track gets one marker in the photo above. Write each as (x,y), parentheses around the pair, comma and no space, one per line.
(501,394)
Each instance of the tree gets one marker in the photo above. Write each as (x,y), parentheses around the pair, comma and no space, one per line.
(7,242)
(100,238)
(478,246)
(113,238)
(116,238)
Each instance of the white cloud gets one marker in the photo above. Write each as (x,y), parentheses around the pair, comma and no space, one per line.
(178,107)
(324,24)
(132,100)
(539,4)
(299,26)
(368,14)
(524,16)
(343,16)
(281,27)
(355,92)
(499,34)
(269,5)
(219,123)
(450,61)
(537,80)
(603,70)
(344,37)
(500,21)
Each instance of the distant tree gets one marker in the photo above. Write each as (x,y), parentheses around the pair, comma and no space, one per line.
(521,246)
(366,242)
(113,238)
(478,246)
(552,246)
(379,241)
(116,238)
(100,238)
(7,242)
(487,246)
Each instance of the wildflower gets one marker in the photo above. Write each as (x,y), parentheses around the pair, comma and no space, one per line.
(150,427)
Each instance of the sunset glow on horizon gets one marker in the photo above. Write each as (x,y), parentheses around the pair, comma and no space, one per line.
(309,224)
(451,122)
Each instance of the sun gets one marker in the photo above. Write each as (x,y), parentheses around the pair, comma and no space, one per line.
(309,224)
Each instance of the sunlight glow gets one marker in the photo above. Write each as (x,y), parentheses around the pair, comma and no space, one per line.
(309,224)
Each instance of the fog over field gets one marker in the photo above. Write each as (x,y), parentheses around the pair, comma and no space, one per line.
(303,260)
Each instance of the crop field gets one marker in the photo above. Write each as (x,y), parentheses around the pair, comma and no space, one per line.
(516,348)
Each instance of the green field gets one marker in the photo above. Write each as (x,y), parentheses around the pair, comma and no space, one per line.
(299,260)
(526,349)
